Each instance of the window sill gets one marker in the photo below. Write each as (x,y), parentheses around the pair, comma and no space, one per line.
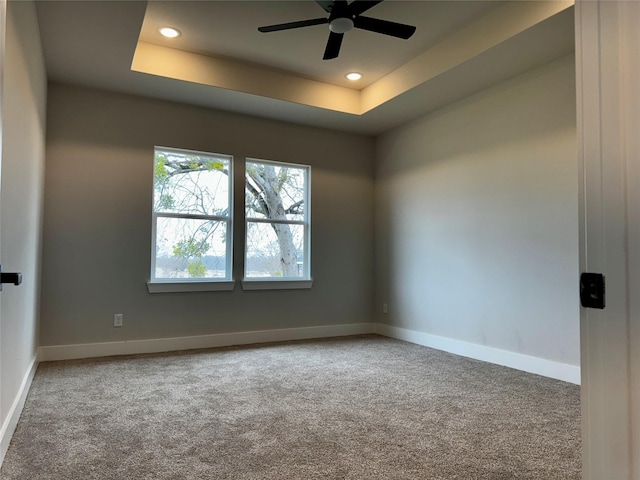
(256,284)
(180,287)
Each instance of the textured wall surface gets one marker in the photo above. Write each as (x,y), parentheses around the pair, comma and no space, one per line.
(97,232)
(477,219)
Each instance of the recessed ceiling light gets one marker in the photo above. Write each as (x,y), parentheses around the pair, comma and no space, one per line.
(353,76)
(169,32)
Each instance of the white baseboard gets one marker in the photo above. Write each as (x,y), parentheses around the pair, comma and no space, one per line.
(68,352)
(11,422)
(539,366)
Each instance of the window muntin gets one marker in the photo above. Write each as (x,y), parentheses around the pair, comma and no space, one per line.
(277,204)
(192,232)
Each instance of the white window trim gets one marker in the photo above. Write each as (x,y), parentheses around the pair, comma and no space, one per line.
(196,285)
(268,283)
(176,285)
(280,283)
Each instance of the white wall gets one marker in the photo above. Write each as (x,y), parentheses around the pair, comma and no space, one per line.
(477,219)
(97,230)
(24,102)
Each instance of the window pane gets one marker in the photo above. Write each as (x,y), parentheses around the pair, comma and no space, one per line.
(188,248)
(191,183)
(275,192)
(274,255)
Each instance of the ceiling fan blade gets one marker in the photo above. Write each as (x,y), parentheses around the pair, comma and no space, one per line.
(360,6)
(385,27)
(290,25)
(333,46)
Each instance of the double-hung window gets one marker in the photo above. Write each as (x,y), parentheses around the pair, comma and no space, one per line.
(192,221)
(277,208)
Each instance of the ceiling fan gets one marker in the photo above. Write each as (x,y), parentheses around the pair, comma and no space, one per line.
(344,16)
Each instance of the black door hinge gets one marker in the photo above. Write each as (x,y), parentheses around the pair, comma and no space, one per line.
(14,278)
(592,291)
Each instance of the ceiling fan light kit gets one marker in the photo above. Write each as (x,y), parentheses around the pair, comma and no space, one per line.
(341,25)
(344,16)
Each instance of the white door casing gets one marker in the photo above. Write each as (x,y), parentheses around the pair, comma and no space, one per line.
(608,121)
(3,34)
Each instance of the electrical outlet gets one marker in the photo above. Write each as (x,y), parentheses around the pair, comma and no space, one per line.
(117,320)
(385,309)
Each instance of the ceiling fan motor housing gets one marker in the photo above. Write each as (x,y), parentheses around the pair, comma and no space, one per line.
(341,25)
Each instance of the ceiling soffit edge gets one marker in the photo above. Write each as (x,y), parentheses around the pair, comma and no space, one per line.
(479,36)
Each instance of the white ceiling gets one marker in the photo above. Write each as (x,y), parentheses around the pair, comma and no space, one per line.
(230,29)
(92,43)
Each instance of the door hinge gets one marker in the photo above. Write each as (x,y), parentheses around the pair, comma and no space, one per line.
(14,278)
(592,290)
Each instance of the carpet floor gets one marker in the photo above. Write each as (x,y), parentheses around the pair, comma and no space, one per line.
(362,407)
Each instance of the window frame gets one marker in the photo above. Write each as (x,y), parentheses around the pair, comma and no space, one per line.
(202,284)
(280,283)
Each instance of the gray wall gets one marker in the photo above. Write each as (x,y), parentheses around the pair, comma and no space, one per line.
(477,219)
(98,192)
(23,123)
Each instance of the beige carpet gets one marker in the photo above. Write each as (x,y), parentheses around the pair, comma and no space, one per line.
(364,407)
